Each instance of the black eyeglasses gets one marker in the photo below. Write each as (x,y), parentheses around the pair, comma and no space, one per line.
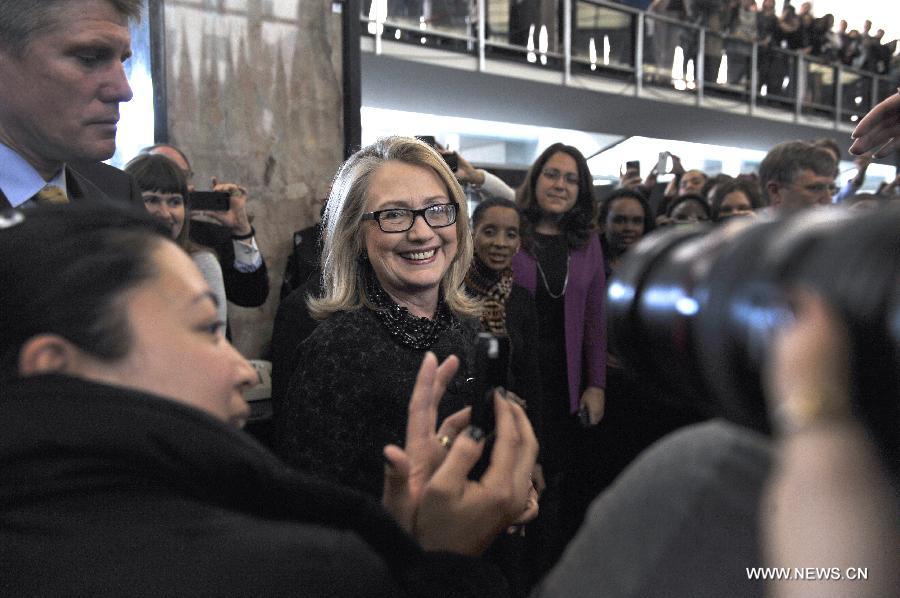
(398,220)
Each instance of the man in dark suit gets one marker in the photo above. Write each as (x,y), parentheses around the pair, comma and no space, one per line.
(62,82)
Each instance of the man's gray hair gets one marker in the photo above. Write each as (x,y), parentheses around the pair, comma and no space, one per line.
(785,161)
(21,21)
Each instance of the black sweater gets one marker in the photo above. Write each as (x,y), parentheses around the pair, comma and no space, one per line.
(348,396)
(111,492)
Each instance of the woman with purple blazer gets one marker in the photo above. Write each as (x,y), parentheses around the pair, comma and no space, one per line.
(561,264)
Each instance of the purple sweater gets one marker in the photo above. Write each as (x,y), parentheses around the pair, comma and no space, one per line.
(585,323)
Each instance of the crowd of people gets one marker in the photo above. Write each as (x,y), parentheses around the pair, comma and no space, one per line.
(393,470)
(735,24)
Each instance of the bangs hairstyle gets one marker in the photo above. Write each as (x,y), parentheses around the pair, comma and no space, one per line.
(343,241)
(577,223)
(154,172)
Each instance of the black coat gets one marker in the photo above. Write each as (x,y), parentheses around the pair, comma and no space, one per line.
(96,181)
(349,393)
(111,492)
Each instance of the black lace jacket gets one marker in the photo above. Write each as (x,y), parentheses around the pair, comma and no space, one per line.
(348,396)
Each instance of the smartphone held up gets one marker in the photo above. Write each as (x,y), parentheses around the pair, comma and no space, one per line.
(491,366)
(451,158)
(215,201)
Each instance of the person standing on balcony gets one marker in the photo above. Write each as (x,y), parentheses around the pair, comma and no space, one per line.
(742,25)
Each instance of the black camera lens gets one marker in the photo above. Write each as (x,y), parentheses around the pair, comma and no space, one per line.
(693,311)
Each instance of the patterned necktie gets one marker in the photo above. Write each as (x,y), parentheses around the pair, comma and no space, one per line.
(51,194)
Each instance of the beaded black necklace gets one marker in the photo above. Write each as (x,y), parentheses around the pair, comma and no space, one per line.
(406,329)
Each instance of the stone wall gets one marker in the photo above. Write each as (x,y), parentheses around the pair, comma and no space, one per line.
(254,97)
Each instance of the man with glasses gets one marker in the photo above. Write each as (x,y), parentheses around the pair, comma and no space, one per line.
(796,175)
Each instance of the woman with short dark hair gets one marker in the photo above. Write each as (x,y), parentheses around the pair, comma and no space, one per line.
(164,190)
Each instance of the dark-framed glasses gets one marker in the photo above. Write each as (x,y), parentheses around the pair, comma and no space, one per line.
(398,220)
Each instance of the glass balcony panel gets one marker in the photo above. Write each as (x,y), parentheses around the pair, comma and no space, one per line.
(714,59)
(529,31)
(778,78)
(887,86)
(498,20)
(818,98)
(439,23)
(738,62)
(603,40)
(670,54)
(856,95)
(535,26)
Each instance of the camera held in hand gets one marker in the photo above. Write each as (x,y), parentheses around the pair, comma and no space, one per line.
(694,310)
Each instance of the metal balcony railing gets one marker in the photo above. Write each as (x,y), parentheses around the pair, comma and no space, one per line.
(598,38)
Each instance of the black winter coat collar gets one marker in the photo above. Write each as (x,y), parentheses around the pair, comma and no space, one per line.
(57,432)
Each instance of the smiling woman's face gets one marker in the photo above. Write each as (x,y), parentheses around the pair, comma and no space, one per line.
(497,237)
(556,189)
(168,207)
(409,265)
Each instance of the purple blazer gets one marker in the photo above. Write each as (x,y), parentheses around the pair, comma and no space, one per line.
(585,323)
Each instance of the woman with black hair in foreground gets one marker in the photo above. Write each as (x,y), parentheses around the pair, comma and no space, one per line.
(124,471)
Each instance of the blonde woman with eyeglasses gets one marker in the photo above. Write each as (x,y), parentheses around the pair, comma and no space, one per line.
(395,251)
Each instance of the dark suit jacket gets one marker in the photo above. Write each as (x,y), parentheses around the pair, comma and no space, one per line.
(247,289)
(96,181)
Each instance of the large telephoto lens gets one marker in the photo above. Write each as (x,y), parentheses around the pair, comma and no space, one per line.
(694,310)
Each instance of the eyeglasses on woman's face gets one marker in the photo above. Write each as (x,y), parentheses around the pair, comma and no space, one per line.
(399,220)
(552,174)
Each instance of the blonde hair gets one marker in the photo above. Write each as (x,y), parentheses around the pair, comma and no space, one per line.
(343,274)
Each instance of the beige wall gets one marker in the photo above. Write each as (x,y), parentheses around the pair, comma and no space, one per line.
(254,97)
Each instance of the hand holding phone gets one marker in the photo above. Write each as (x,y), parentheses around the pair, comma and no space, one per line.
(491,364)
(215,201)
(633,168)
(662,166)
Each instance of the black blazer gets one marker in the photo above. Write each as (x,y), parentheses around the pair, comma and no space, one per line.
(96,181)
